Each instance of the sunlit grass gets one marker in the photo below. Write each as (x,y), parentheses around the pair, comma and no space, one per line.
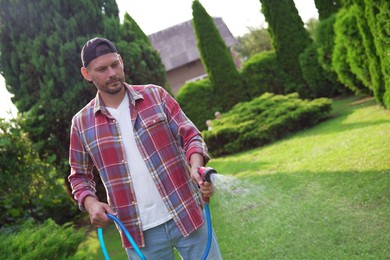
(322,193)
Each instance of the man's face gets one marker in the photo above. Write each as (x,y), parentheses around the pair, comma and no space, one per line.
(106,72)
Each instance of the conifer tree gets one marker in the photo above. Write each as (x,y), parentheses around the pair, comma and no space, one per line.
(229,88)
(377,14)
(325,39)
(143,64)
(40,44)
(289,39)
(326,8)
(41,64)
(372,74)
(349,59)
(40,61)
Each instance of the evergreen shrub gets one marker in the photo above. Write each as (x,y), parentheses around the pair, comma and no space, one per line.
(314,75)
(263,74)
(343,58)
(44,241)
(198,102)
(266,118)
(289,39)
(217,60)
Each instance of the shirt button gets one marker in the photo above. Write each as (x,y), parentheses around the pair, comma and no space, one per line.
(137,223)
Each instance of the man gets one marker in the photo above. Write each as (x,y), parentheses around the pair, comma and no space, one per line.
(147,153)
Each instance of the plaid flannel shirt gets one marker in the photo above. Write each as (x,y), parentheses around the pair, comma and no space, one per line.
(166,139)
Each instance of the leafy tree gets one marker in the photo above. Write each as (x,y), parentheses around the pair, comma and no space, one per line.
(29,187)
(229,88)
(41,64)
(289,39)
(255,41)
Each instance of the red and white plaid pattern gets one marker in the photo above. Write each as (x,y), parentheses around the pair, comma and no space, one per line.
(166,139)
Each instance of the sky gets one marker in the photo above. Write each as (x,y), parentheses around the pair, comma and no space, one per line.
(237,14)
(155,15)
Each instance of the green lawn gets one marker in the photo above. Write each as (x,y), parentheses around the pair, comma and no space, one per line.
(322,193)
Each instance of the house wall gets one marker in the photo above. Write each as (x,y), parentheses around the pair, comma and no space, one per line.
(179,76)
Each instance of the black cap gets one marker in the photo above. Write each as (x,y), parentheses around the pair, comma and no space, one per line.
(94,48)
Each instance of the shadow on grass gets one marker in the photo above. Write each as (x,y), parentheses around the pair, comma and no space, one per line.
(305,215)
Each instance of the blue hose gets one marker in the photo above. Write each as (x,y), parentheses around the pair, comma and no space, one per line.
(131,240)
(135,246)
(102,245)
(209,231)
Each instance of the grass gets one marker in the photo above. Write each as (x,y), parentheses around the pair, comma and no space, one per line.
(322,193)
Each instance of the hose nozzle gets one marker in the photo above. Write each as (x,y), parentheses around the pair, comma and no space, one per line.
(205,173)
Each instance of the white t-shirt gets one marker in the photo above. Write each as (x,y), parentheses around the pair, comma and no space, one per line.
(153,211)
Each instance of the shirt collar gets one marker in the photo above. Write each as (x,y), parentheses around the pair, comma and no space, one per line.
(131,92)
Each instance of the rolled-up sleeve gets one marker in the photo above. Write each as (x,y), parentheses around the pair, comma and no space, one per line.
(189,137)
(81,166)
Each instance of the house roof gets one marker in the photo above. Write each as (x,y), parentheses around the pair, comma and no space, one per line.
(177,44)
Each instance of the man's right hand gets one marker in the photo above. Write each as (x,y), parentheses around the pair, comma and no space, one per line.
(97,211)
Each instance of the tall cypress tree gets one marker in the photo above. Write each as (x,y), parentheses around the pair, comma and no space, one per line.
(377,14)
(315,60)
(229,88)
(350,58)
(143,64)
(289,39)
(371,57)
(325,39)
(326,8)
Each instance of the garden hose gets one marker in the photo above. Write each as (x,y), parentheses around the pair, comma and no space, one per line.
(205,173)
(128,236)
(209,231)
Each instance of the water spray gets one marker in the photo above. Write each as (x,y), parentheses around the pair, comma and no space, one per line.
(206,174)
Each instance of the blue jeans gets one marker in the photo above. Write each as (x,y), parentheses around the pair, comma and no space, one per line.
(161,240)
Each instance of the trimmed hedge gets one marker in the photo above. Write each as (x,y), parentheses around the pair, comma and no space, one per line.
(197,99)
(45,241)
(263,74)
(315,76)
(264,119)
